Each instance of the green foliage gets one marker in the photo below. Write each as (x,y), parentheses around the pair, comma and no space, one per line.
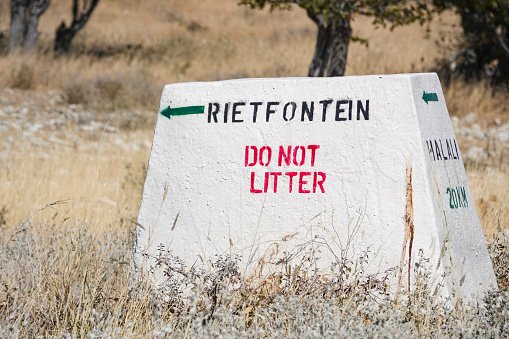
(333,18)
(484,49)
(384,12)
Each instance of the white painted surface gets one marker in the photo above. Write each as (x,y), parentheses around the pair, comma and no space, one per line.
(209,209)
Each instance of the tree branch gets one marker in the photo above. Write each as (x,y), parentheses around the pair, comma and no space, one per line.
(74,12)
(80,20)
(502,43)
(42,6)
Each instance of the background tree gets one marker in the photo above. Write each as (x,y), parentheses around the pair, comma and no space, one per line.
(333,18)
(484,46)
(65,34)
(24,21)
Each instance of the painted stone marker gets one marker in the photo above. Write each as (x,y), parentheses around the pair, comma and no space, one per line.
(277,170)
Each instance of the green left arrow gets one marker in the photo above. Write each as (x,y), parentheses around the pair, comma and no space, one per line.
(168,111)
(427,97)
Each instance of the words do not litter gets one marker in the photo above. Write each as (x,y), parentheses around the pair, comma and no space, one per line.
(287,156)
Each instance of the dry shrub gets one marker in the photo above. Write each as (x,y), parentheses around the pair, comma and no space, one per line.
(140,90)
(111,93)
(22,76)
(132,120)
(195,26)
(498,247)
(3,216)
(76,91)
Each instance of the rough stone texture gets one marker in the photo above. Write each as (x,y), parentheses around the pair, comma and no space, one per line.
(395,183)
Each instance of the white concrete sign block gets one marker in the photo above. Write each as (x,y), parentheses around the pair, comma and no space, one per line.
(269,169)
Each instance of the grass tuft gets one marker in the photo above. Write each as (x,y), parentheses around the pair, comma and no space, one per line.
(123,91)
(72,281)
(22,76)
(498,247)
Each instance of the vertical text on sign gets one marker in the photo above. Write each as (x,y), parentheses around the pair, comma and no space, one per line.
(457,197)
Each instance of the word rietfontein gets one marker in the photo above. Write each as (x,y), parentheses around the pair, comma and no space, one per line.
(327,109)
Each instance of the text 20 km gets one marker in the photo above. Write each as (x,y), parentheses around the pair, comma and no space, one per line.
(457,197)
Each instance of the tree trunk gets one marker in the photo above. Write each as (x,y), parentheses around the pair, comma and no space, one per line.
(64,34)
(32,21)
(321,56)
(24,21)
(331,46)
(63,38)
(17,29)
(341,33)
(503,60)
(477,52)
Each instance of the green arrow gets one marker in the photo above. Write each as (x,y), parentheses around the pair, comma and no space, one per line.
(427,97)
(168,111)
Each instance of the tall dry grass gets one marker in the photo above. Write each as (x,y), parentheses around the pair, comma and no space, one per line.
(66,208)
(72,282)
(490,189)
(96,183)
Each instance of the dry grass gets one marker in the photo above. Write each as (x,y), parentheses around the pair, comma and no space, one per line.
(68,281)
(65,208)
(490,189)
(488,103)
(97,183)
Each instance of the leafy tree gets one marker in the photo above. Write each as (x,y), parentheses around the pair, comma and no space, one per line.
(333,18)
(484,49)
(65,34)
(23,33)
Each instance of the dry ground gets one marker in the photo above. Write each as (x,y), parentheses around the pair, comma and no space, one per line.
(77,131)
